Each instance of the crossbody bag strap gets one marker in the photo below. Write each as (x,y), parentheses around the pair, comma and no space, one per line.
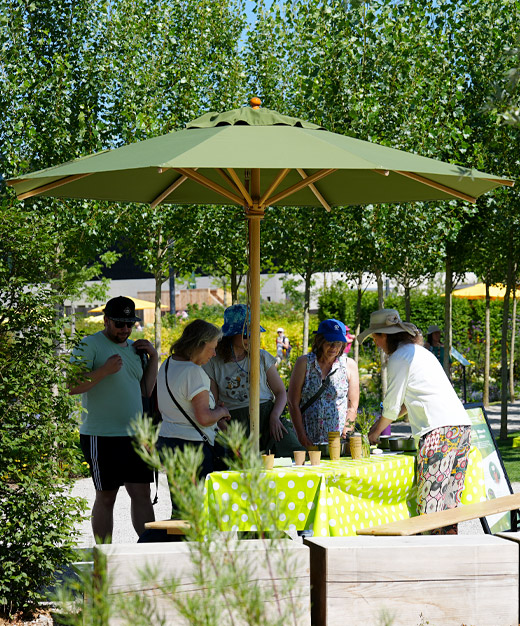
(195,426)
(312,400)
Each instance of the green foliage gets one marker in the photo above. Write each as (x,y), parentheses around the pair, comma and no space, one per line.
(467,326)
(229,578)
(37,421)
(510,456)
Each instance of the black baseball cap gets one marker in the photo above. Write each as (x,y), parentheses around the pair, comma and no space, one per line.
(121,309)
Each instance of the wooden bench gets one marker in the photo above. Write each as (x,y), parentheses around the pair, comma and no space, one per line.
(423,523)
(171,526)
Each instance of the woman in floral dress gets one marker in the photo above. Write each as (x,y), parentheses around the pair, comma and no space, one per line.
(327,365)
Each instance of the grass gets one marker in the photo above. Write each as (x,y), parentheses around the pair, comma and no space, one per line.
(510,456)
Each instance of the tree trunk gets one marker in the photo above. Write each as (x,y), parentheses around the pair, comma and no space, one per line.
(503,359)
(512,351)
(158,321)
(306,307)
(173,306)
(447,316)
(487,348)
(358,316)
(382,355)
(407,303)
(234,285)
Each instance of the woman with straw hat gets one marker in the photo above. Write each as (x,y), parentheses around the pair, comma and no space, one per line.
(418,385)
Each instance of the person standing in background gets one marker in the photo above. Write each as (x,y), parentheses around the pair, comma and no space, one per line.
(283,347)
(112,380)
(433,343)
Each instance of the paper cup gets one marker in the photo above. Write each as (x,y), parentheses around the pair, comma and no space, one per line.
(356,448)
(333,435)
(299,457)
(315,456)
(334,449)
(268,460)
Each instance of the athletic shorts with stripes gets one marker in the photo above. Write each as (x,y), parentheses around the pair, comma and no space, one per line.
(114,462)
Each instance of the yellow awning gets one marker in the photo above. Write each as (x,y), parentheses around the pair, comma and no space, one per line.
(478,292)
(140,305)
(94,318)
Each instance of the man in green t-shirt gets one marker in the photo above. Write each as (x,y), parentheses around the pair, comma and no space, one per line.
(114,372)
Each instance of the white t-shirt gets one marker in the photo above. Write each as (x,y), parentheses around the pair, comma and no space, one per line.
(417,380)
(186,380)
(232,379)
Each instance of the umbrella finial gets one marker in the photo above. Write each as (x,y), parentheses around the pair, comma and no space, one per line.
(255,102)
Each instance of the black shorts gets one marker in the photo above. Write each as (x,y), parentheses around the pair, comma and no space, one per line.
(114,462)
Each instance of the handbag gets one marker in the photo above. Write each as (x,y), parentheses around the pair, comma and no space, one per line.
(150,403)
(313,399)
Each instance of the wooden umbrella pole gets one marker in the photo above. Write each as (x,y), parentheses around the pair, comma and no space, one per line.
(254,215)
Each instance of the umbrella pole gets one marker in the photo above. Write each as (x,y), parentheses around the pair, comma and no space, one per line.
(254,215)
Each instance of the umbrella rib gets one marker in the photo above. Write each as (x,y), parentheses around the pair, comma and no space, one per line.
(229,180)
(439,186)
(303,183)
(206,182)
(240,186)
(177,183)
(314,190)
(17,181)
(281,175)
(507,183)
(53,185)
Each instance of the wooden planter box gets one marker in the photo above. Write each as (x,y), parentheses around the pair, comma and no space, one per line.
(443,581)
(124,562)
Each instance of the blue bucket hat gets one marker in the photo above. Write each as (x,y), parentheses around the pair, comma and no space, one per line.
(235,321)
(332,330)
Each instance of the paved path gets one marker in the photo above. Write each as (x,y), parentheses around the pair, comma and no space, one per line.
(124,532)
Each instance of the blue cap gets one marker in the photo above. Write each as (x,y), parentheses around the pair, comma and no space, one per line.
(332,330)
(235,321)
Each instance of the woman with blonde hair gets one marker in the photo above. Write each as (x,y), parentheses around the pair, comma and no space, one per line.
(190,415)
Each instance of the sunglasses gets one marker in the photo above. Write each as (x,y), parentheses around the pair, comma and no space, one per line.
(123,324)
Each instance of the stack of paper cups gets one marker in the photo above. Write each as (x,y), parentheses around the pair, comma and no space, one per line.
(334,445)
(356,446)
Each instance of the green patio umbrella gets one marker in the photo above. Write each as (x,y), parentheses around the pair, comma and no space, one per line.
(255,158)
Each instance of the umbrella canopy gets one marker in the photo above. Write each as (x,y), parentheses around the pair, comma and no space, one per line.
(478,292)
(256,158)
(140,305)
(211,160)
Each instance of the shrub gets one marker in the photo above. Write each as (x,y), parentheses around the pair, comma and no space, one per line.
(37,423)
(468,321)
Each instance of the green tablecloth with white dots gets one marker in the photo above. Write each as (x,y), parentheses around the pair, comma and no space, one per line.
(332,499)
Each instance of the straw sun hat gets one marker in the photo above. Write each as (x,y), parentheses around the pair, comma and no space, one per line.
(387,321)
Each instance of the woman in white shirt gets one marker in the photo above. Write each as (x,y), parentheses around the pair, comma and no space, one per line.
(417,385)
(188,409)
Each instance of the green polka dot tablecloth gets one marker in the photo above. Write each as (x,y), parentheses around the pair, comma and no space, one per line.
(332,499)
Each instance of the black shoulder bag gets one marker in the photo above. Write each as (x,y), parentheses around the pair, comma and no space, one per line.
(312,400)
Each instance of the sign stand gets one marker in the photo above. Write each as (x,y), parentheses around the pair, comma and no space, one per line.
(495,476)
